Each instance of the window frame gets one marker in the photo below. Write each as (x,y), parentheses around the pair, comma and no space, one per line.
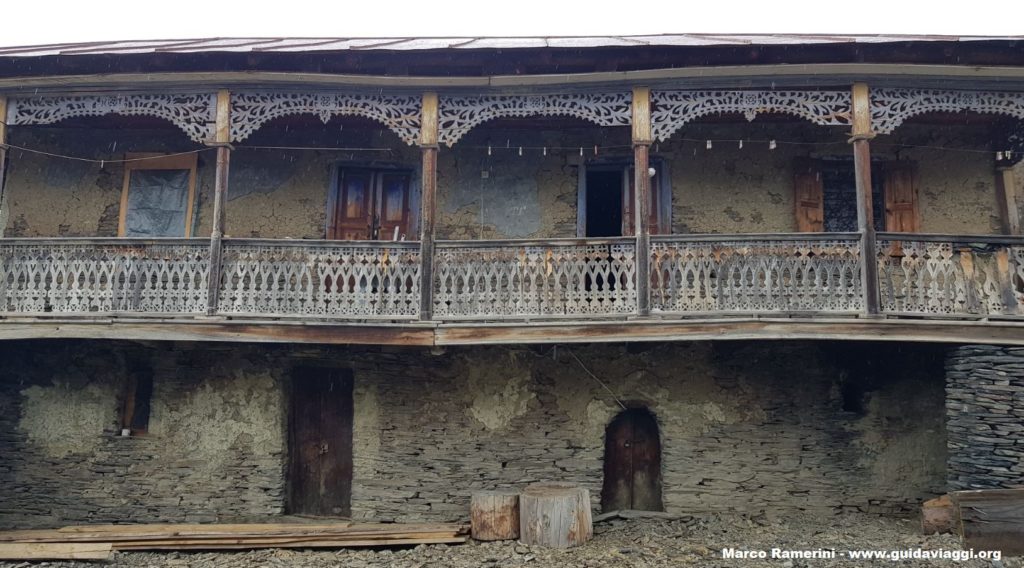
(157,161)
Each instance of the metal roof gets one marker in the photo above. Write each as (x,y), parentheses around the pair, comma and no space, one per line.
(244,45)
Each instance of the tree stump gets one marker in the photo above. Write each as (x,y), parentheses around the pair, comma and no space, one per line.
(556,515)
(494,515)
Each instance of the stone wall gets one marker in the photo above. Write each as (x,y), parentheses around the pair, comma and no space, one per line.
(787,425)
(985,417)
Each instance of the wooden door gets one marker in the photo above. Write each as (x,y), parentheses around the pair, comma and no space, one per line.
(900,188)
(371,204)
(632,463)
(809,196)
(320,443)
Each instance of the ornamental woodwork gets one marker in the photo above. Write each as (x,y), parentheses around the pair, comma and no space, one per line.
(670,110)
(252,109)
(922,277)
(768,275)
(533,280)
(352,280)
(460,114)
(40,276)
(195,114)
(890,107)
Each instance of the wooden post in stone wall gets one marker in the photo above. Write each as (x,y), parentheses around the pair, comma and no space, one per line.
(222,140)
(642,195)
(428,147)
(860,136)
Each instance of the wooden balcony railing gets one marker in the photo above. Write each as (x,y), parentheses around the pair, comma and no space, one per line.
(516,280)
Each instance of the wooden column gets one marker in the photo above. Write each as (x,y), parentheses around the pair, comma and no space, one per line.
(3,147)
(428,199)
(222,140)
(860,137)
(1006,199)
(642,195)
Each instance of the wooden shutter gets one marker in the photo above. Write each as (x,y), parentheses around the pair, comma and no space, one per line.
(654,207)
(809,197)
(902,214)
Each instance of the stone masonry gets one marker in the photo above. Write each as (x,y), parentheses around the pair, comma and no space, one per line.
(985,417)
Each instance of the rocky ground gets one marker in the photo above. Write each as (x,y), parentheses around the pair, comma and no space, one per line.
(617,543)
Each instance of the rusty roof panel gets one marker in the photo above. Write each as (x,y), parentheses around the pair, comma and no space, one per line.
(465,43)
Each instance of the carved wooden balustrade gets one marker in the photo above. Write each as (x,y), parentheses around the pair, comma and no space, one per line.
(951,275)
(756,273)
(332,279)
(523,279)
(94,276)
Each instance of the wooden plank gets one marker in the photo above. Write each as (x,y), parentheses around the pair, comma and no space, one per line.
(861,120)
(991,519)
(641,119)
(307,544)
(220,190)
(55,551)
(428,200)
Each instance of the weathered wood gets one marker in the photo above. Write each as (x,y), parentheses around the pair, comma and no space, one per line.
(55,551)
(991,519)
(428,201)
(494,515)
(809,196)
(641,119)
(861,120)
(555,515)
(1007,200)
(3,147)
(220,190)
(937,516)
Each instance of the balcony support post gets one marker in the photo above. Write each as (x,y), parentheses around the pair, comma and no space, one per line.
(428,199)
(860,139)
(222,140)
(1006,196)
(3,146)
(642,196)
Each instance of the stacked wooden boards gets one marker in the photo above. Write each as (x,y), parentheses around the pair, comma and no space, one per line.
(90,539)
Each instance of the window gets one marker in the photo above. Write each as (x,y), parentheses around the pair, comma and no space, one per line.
(826,196)
(606,201)
(158,196)
(371,204)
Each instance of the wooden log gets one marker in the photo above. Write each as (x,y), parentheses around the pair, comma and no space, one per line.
(555,515)
(55,551)
(494,515)
(937,515)
(991,519)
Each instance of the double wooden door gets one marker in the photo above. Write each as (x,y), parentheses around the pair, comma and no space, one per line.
(632,463)
(371,204)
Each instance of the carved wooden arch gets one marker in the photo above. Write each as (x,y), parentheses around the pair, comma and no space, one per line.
(670,110)
(193,113)
(891,107)
(252,109)
(457,115)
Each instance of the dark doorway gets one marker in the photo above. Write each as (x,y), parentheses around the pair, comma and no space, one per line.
(320,442)
(604,203)
(632,463)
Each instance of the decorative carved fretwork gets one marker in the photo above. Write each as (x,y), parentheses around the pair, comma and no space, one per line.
(923,277)
(755,276)
(352,281)
(193,113)
(103,276)
(535,280)
(670,110)
(250,110)
(890,107)
(460,114)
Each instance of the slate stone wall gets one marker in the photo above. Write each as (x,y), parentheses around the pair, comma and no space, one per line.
(985,417)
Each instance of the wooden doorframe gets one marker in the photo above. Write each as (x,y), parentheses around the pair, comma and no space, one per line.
(632,417)
(157,161)
(664,189)
(334,189)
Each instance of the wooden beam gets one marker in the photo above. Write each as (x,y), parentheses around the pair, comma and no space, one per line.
(222,139)
(1006,200)
(3,148)
(641,119)
(55,551)
(860,136)
(428,201)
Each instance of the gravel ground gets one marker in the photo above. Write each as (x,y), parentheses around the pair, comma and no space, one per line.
(617,543)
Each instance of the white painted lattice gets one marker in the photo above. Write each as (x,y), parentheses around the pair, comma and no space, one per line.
(670,110)
(925,277)
(334,280)
(755,275)
(457,115)
(890,107)
(534,280)
(40,276)
(252,109)
(195,114)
